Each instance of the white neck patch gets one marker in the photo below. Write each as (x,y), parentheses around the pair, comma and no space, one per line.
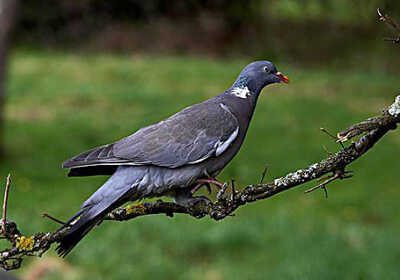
(241,92)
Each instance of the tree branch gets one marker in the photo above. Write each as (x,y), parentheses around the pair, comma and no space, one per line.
(227,201)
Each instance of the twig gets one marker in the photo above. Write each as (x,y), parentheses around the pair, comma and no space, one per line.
(325,191)
(46,215)
(328,133)
(393,24)
(4,214)
(338,174)
(263,174)
(324,183)
(326,150)
(332,136)
(233,191)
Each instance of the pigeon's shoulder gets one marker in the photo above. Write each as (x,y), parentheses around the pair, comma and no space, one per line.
(188,137)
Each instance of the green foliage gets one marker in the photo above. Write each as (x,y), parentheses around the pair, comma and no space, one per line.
(339,11)
(305,31)
(62,104)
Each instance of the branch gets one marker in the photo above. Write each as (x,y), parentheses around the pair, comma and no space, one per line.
(391,23)
(4,214)
(373,129)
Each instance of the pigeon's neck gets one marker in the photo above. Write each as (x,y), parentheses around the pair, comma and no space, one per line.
(242,97)
(244,87)
(241,102)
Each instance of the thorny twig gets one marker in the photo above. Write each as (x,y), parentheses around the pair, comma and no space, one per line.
(373,129)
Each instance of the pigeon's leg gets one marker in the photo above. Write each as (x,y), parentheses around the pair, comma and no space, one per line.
(206,182)
(210,181)
(198,186)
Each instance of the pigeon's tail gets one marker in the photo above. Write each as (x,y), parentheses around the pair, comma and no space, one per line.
(82,223)
(116,191)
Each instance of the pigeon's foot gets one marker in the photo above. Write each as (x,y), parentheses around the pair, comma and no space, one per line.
(193,201)
(195,205)
(207,183)
(185,198)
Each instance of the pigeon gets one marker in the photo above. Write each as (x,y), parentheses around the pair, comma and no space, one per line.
(174,157)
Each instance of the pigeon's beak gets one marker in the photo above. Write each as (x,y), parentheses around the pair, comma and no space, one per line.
(282,77)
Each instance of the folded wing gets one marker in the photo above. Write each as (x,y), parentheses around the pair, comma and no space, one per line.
(188,137)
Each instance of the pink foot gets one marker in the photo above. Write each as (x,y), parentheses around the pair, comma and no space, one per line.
(206,182)
(210,181)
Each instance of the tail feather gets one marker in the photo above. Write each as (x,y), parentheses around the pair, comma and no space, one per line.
(70,240)
(82,223)
(117,190)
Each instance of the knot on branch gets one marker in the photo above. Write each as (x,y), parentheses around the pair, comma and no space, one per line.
(10,228)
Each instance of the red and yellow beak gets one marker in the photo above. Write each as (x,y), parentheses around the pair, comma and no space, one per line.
(283,78)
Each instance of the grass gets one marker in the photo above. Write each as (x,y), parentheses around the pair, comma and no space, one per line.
(61,104)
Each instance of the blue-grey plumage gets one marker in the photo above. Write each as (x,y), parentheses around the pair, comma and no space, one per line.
(167,158)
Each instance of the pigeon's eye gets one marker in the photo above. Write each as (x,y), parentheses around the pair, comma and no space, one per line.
(266,69)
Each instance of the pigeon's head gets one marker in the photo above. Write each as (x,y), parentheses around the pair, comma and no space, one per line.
(255,76)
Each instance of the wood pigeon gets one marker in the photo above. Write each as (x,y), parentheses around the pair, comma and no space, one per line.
(173,157)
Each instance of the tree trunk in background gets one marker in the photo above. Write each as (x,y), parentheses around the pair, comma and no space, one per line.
(8,11)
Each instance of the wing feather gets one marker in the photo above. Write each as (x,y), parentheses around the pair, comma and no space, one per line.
(188,137)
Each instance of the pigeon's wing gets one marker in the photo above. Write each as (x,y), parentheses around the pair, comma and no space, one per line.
(191,136)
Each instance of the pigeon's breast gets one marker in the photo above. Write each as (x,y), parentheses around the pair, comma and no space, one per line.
(243,110)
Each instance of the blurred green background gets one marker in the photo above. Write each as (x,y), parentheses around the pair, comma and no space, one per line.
(85,73)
